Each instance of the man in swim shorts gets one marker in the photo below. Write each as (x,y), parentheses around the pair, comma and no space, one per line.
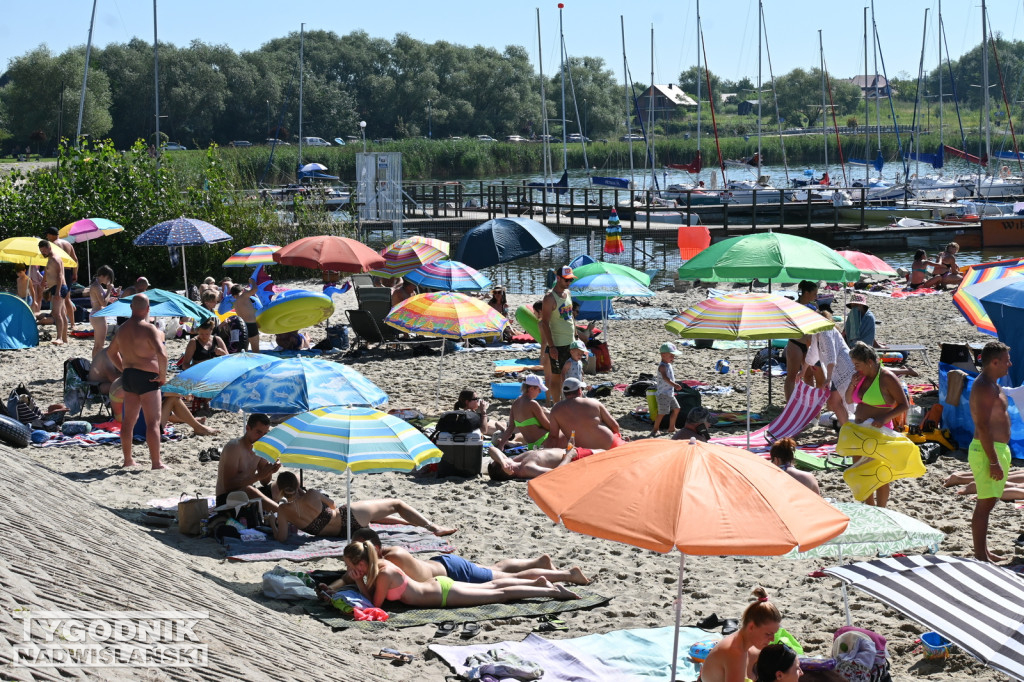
(594,426)
(137,350)
(70,274)
(55,290)
(532,463)
(989,452)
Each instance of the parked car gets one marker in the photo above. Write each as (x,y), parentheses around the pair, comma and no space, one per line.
(174,146)
(271,140)
(631,136)
(545,138)
(515,138)
(241,143)
(485,138)
(576,137)
(315,142)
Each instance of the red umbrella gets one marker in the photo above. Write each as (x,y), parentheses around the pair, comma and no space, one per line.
(327,252)
(868,264)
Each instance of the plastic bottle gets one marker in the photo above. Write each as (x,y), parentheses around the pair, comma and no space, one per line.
(572,441)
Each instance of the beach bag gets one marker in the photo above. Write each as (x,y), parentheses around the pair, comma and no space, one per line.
(458,421)
(860,655)
(602,355)
(234,334)
(191,513)
(22,406)
(280,583)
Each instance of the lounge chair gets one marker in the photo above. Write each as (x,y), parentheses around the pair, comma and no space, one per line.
(365,328)
(79,391)
(363,281)
(803,406)
(373,294)
(379,311)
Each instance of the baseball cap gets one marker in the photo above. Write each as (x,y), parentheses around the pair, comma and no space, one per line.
(572,384)
(534,380)
(566,273)
(578,345)
(670,348)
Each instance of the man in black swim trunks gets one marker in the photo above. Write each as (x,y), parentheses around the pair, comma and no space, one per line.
(138,351)
(70,274)
(55,290)
(242,469)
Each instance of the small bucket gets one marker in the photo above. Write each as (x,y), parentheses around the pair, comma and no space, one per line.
(935,645)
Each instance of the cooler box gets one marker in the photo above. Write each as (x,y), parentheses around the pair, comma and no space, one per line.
(461,454)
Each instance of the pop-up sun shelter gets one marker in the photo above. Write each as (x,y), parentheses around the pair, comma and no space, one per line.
(17,324)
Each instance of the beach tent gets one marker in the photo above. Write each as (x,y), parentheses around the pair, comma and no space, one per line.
(1005,307)
(17,324)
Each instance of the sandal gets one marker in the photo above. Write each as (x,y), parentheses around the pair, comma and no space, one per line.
(470,630)
(445,628)
(709,623)
(729,626)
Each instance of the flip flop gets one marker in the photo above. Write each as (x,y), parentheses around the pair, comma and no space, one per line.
(445,628)
(709,623)
(729,626)
(470,630)
(551,624)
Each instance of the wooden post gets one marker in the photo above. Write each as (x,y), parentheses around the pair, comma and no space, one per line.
(753,212)
(782,208)
(504,197)
(437,198)
(572,202)
(808,212)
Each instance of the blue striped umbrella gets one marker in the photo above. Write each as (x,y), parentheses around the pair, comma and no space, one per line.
(294,385)
(449,275)
(604,285)
(209,378)
(182,232)
(349,439)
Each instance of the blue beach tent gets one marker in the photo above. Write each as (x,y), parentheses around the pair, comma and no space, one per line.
(17,324)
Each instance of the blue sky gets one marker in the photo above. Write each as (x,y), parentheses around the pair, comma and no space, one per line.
(591,28)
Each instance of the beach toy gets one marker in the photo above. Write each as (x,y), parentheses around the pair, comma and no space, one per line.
(887,456)
(510,391)
(294,310)
(935,646)
(699,651)
(528,321)
(722,366)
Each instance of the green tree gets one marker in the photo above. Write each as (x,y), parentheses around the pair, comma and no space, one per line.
(688,82)
(799,95)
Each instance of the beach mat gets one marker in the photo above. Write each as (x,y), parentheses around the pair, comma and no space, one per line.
(302,547)
(406,617)
(624,655)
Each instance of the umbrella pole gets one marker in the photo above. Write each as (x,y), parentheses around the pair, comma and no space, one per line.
(184,270)
(748,392)
(88,263)
(348,500)
(846,594)
(440,368)
(679,614)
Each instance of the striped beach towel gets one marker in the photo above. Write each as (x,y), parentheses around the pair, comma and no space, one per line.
(804,405)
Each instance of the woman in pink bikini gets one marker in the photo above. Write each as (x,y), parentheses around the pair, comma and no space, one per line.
(380,580)
(879,398)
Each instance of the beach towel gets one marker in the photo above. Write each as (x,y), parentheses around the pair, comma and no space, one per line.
(402,616)
(303,547)
(804,405)
(627,655)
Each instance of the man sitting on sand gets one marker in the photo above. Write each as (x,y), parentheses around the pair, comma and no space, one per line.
(242,469)
(532,463)
(594,426)
(462,570)
(698,420)
(782,456)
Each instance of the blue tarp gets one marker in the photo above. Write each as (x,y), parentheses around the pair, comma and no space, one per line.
(17,324)
(957,418)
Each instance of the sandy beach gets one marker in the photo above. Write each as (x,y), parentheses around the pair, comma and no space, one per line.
(76,540)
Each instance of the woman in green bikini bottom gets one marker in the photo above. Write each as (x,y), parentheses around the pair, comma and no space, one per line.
(529,418)
(379,580)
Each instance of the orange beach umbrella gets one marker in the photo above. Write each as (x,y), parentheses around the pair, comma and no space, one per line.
(699,498)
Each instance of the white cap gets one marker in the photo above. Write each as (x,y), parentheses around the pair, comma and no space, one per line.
(534,380)
(572,384)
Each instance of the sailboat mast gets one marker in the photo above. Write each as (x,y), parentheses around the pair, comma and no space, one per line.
(941,143)
(917,106)
(85,80)
(698,78)
(561,43)
(874,53)
(302,44)
(545,137)
(824,130)
(156,86)
(650,118)
(760,10)
(625,89)
(984,77)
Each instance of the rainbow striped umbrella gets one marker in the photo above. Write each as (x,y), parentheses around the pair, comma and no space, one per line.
(448,315)
(348,439)
(406,255)
(87,229)
(449,275)
(748,317)
(251,256)
(968,302)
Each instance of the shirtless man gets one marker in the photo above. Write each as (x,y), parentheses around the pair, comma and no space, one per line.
(457,568)
(557,330)
(241,469)
(55,291)
(532,463)
(594,426)
(989,453)
(70,274)
(137,350)
(245,310)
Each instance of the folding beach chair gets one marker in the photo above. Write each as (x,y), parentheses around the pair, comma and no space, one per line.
(803,406)
(365,328)
(79,391)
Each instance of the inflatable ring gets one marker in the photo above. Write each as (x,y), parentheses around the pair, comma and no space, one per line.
(886,457)
(14,432)
(528,321)
(294,310)
(699,651)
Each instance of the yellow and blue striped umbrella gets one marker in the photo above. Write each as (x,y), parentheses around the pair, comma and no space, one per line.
(747,317)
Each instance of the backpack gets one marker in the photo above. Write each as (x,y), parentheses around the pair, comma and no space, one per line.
(860,655)
(234,334)
(22,406)
(638,389)
(458,421)
(601,354)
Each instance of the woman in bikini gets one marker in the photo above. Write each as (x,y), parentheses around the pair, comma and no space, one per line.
(734,657)
(380,580)
(879,398)
(529,418)
(205,346)
(101,293)
(946,270)
(313,512)
(469,400)
(919,273)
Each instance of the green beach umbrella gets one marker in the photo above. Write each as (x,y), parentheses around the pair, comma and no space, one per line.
(600,267)
(769,256)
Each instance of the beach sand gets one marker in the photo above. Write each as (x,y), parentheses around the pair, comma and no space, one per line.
(76,541)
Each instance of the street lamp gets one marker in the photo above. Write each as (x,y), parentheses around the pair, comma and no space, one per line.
(430,113)
(362,131)
(584,117)
(268,118)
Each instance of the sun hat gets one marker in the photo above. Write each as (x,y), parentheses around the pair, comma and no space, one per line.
(566,273)
(57,407)
(572,384)
(235,501)
(578,345)
(858,299)
(670,348)
(534,380)
(699,415)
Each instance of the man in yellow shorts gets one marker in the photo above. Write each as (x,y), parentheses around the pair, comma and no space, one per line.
(989,453)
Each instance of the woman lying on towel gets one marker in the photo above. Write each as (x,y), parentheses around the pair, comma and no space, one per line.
(735,656)
(313,512)
(379,580)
